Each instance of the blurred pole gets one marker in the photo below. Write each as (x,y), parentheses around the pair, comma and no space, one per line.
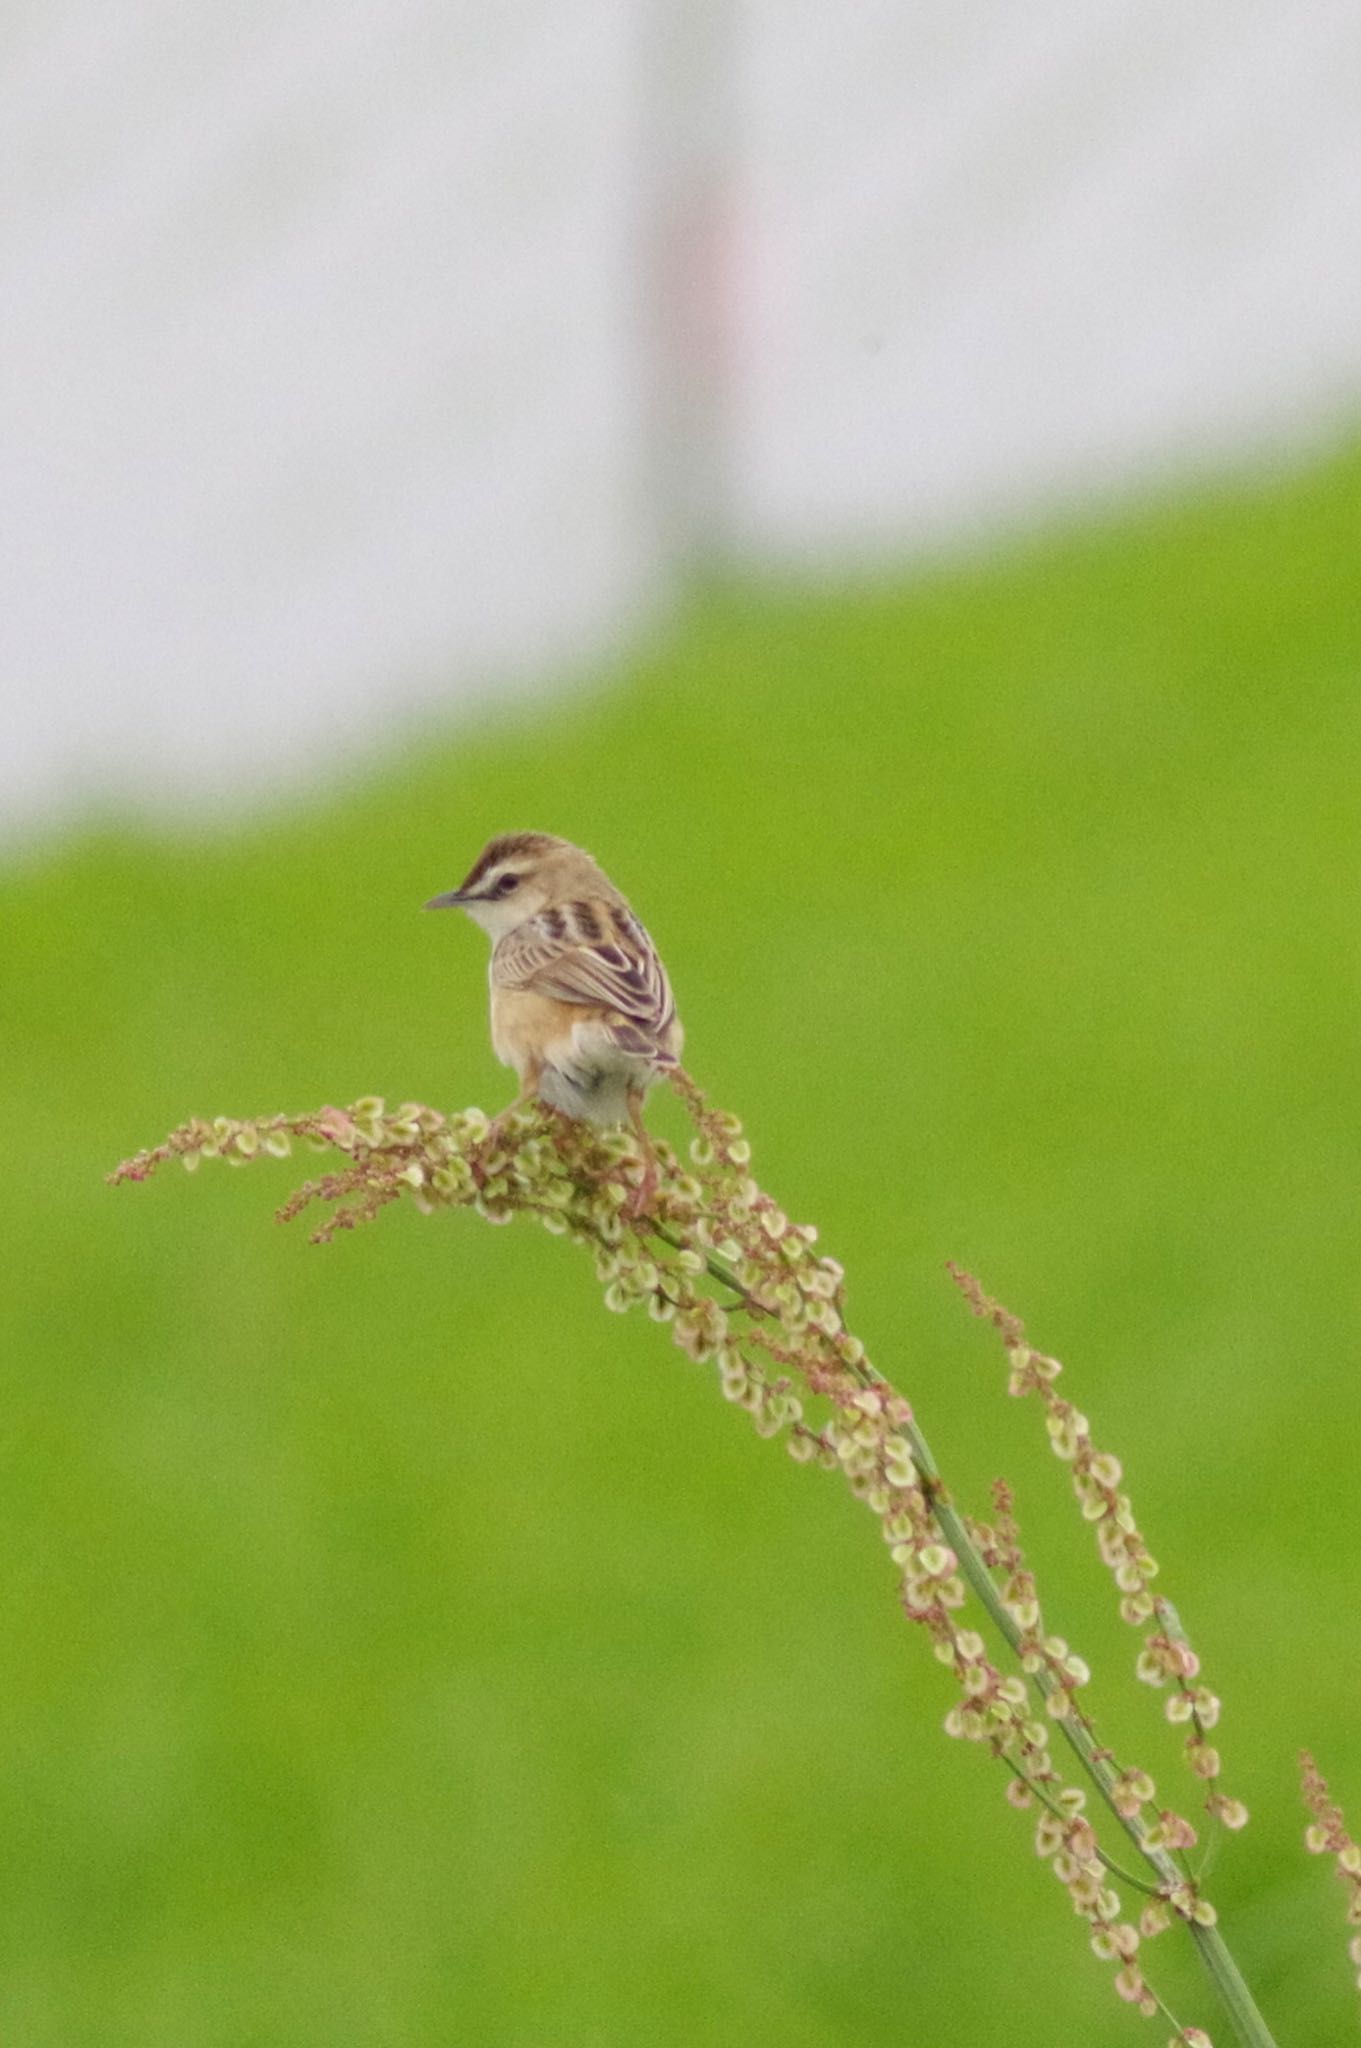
(688,151)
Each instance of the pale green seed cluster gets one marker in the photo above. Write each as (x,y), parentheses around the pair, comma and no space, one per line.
(1326,1835)
(1063,1835)
(1062,1674)
(1166,1657)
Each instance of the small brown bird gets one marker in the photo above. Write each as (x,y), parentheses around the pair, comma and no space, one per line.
(580,1003)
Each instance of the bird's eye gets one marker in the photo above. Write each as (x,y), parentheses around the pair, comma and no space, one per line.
(506,884)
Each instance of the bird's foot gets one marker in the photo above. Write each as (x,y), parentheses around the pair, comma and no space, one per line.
(480,1157)
(641,1197)
(482,1154)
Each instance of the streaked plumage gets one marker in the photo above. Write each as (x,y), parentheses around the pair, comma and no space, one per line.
(580,1004)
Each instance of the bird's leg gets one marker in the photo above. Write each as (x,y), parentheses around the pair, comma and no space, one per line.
(640,1201)
(529,1088)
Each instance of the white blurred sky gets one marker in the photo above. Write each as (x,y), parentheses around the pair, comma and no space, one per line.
(362,360)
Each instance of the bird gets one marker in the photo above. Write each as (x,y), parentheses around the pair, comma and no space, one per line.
(581,1006)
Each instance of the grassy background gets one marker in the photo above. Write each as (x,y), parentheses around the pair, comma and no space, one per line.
(401,1650)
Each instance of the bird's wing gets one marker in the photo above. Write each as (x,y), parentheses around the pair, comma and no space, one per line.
(592,953)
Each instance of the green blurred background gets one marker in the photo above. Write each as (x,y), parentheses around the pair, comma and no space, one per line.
(400,1649)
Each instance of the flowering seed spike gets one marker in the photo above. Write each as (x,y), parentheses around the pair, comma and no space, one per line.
(1326,1835)
(746,1294)
(1166,1657)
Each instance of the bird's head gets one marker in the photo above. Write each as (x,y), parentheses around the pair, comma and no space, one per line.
(517,875)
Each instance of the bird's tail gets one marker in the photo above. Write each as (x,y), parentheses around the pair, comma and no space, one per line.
(629,1038)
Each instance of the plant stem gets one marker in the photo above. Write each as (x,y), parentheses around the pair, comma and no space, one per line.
(717,1268)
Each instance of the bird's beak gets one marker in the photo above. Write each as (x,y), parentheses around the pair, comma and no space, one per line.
(452,899)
